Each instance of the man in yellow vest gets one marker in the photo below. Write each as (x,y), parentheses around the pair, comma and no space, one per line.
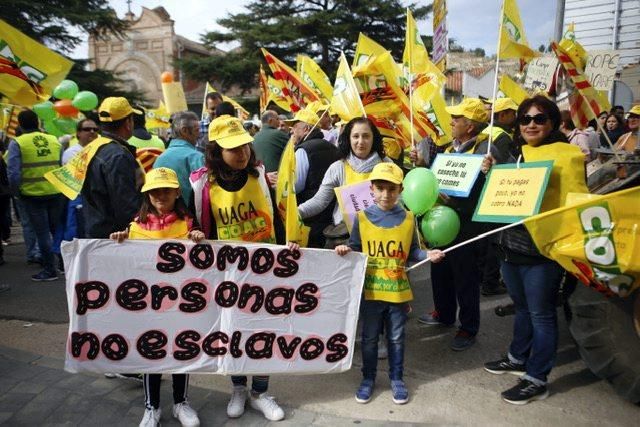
(504,120)
(113,177)
(31,155)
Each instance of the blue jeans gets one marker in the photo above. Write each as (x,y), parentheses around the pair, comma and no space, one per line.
(393,316)
(44,214)
(29,235)
(534,290)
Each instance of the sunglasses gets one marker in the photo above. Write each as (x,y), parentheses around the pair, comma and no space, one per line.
(538,119)
(89,129)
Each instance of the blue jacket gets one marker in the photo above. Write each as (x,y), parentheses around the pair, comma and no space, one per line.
(183,158)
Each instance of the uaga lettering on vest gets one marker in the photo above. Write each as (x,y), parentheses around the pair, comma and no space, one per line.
(234,214)
(391,249)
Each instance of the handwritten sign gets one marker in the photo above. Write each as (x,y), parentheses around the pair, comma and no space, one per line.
(512,193)
(540,72)
(215,307)
(456,173)
(601,68)
(353,199)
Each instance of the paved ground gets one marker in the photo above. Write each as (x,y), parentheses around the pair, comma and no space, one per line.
(446,387)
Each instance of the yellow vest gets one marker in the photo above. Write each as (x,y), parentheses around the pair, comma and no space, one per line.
(179,229)
(245,215)
(388,250)
(480,138)
(40,153)
(567,174)
(495,130)
(353,177)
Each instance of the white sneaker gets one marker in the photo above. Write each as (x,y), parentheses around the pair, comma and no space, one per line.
(268,406)
(382,348)
(235,408)
(187,416)
(151,418)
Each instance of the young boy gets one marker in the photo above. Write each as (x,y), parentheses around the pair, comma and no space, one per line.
(386,233)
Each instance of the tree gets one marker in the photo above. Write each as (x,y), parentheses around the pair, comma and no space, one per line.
(318,28)
(479,52)
(53,22)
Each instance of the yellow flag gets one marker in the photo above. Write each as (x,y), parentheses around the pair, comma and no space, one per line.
(513,43)
(597,240)
(69,178)
(313,76)
(276,95)
(158,118)
(242,113)
(345,101)
(415,57)
(173,95)
(512,90)
(28,70)
(286,200)
(426,83)
(366,49)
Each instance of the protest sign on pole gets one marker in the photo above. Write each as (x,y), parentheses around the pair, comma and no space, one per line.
(456,173)
(540,73)
(513,192)
(352,199)
(440,42)
(214,307)
(601,68)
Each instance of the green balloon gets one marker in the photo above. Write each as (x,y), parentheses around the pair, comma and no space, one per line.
(85,100)
(420,190)
(440,226)
(52,129)
(66,125)
(67,89)
(45,111)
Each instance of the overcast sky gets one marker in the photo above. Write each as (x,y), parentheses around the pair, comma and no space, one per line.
(473,23)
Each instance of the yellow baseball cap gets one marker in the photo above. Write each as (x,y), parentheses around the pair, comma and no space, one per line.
(160,178)
(228,132)
(115,108)
(635,110)
(306,115)
(471,108)
(387,171)
(503,104)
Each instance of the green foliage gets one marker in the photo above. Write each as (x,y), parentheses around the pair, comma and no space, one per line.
(317,28)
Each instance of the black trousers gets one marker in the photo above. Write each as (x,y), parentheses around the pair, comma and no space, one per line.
(151,384)
(456,285)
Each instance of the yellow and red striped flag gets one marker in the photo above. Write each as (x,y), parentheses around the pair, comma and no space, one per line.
(147,156)
(587,103)
(294,89)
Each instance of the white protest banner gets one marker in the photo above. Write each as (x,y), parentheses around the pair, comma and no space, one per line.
(153,306)
(540,72)
(601,68)
(352,199)
(456,173)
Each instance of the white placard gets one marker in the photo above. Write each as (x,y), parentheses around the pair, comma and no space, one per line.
(540,73)
(601,68)
(152,306)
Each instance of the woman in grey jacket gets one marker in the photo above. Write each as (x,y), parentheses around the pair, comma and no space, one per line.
(361,148)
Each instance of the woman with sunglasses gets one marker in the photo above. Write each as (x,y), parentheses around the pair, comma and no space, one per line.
(532,280)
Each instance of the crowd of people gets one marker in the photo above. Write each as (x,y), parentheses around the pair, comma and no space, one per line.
(219,162)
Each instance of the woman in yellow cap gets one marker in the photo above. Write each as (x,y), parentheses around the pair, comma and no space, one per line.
(233,202)
(163,215)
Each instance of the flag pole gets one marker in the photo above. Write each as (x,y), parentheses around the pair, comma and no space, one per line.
(495,79)
(410,44)
(466,242)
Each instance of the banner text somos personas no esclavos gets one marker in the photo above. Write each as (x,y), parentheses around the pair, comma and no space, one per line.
(215,307)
